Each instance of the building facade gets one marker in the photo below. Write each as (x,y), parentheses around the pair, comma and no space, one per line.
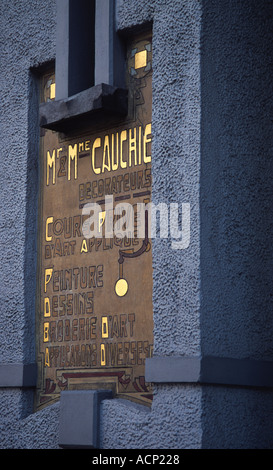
(206,382)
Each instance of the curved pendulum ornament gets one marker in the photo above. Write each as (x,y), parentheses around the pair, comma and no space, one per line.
(122,286)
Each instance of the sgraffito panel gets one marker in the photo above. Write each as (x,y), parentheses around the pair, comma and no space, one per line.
(94,296)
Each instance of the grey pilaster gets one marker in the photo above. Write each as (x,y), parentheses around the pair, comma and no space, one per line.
(74,47)
(109,53)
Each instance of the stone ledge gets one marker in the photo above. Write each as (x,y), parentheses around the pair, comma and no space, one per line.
(18,375)
(210,370)
(85,108)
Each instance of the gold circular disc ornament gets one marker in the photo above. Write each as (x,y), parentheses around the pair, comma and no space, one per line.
(121,287)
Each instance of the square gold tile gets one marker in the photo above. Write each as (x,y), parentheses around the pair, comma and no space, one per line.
(52,91)
(141,59)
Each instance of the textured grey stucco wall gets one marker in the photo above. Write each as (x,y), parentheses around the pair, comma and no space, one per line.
(236,212)
(27,39)
(236,179)
(176,151)
(235,418)
(172,423)
(212,147)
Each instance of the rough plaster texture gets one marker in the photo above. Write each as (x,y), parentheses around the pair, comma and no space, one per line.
(235,418)
(31,44)
(175,170)
(25,43)
(212,144)
(165,426)
(27,39)
(236,212)
(35,431)
(236,179)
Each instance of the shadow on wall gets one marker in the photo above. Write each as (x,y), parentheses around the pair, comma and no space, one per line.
(236,184)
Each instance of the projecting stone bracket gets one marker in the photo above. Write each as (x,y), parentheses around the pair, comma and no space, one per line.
(80,418)
(100,102)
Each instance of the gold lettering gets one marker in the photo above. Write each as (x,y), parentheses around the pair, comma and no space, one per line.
(48,275)
(139,144)
(132,146)
(106,155)
(102,355)
(114,163)
(58,152)
(49,220)
(147,139)
(96,145)
(47,362)
(73,155)
(51,163)
(46,307)
(123,138)
(101,219)
(84,246)
(46,332)
(104,327)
